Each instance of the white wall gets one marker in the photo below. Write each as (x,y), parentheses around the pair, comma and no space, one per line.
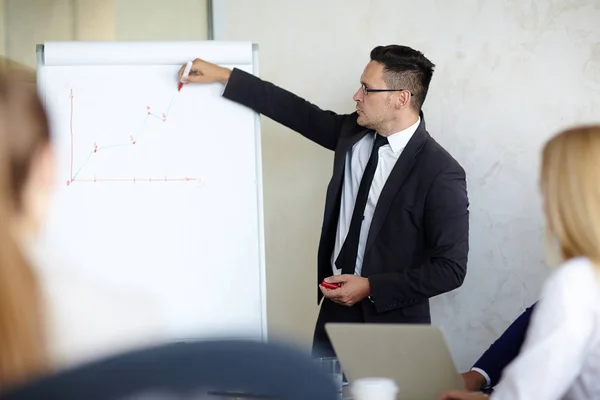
(30,22)
(160,20)
(509,74)
(2,30)
(25,23)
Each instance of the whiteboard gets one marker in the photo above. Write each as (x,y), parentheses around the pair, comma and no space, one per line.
(158,190)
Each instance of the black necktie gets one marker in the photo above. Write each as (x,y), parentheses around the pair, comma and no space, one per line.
(347,258)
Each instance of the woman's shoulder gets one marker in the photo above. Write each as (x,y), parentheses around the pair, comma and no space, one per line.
(575,280)
(578,269)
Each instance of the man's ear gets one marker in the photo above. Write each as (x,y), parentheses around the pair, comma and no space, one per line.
(403,99)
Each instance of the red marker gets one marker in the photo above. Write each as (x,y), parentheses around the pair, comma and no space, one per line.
(331,285)
(186,73)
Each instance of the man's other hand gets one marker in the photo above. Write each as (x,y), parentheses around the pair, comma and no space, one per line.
(352,289)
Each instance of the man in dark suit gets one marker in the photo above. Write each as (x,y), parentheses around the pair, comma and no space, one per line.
(488,369)
(396,221)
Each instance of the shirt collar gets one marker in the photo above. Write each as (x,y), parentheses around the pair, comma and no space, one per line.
(399,140)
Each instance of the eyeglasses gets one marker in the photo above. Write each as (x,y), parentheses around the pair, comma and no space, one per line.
(366,90)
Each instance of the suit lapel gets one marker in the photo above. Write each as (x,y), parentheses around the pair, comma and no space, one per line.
(347,142)
(394,182)
(339,163)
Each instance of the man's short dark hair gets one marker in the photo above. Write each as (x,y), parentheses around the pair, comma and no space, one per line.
(405,68)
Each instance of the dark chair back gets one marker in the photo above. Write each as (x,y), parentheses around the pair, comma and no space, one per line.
(198,370)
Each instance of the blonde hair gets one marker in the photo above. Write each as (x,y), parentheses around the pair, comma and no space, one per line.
(23,128)
(570,180)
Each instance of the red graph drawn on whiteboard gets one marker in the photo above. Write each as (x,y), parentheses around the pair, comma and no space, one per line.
(132,141)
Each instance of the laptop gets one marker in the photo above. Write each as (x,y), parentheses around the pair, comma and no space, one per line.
(416,357)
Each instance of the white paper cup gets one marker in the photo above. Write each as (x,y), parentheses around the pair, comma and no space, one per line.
(374,389)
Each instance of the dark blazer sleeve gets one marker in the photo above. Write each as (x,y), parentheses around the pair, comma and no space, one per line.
(505,348)
(322,127)
(446,233)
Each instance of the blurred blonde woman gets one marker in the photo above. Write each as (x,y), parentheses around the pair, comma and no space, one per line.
(49,316)
(23,351)
(561,354)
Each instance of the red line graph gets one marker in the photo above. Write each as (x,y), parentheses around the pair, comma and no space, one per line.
(133,139)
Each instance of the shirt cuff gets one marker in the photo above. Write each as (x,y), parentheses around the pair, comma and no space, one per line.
(484,374)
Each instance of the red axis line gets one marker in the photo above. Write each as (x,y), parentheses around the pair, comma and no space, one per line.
(135,180)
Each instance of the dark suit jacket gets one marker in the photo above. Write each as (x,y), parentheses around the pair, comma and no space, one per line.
(505,348)
(418,240)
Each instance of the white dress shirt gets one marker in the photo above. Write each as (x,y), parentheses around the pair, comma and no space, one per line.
(488,381)
(560,357)
(356,161)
